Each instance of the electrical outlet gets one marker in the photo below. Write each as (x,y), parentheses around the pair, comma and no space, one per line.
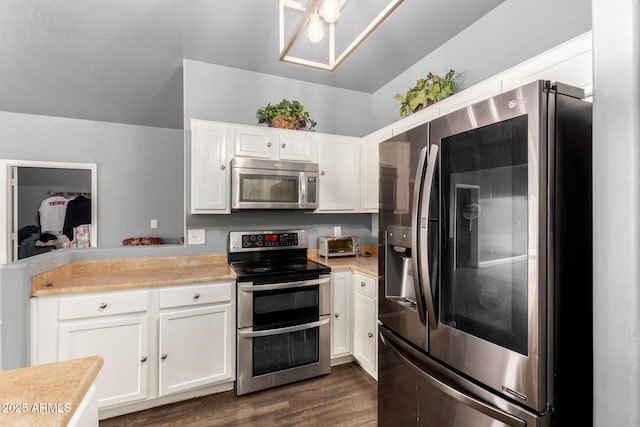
(154,223)
(195,236)
(337,230)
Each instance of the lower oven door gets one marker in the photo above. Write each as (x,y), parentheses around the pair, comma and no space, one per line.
(273,357)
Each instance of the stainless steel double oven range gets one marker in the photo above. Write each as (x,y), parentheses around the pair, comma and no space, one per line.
(284,309)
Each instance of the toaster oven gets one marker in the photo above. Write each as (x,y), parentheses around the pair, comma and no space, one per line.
(334,246)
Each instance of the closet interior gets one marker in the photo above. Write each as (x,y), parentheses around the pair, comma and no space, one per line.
(53,209)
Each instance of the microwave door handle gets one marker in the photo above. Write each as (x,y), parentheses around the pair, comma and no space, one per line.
(423,231)
(415,214)
(303,190)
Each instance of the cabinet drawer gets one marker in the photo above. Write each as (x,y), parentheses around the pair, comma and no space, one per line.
(196,294)
(102,304)
(365,285)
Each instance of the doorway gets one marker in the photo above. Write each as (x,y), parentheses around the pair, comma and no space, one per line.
(25,185)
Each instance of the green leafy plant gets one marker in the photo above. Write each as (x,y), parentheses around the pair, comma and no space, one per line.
(427,91)
(286,114)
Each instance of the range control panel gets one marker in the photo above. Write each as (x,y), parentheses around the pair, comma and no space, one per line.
(241,241)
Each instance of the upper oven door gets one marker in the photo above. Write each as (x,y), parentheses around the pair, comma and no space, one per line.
(258,188)
(283,304)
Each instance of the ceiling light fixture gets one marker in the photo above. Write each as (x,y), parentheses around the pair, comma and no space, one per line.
(330,10)
(358,21)
(315,31)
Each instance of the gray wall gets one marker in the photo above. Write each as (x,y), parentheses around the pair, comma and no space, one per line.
(224,94)
(616,132)
(140,169)
(513,32)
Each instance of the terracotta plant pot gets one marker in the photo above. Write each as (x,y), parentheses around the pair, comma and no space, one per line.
(279,122)
(421,106)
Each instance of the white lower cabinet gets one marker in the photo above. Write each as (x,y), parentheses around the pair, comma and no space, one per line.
(192,347)
(365,323)
(155,342)
(354,328)
(122,343)
(341,290)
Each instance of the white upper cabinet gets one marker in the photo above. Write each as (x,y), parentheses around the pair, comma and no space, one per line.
(569,63)
(298,145)
(370,167)
(339,185)
(253,141)
(275,144)
(209,167)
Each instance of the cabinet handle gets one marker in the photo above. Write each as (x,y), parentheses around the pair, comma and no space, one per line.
(196,295)
(143,359)
(223,167)
(283,145)
(103,305)
(322,173)
(363,284)
(337,315)
(269,144)
(163,356)
(370,334)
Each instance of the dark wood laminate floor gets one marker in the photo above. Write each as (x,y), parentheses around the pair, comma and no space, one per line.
(346,397)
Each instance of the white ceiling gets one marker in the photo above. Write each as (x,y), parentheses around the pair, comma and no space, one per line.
(120,60)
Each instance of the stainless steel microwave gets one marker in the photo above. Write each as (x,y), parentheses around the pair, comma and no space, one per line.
(273,184)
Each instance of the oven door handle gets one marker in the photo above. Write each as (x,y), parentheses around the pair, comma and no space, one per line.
(287,285)
(250,333)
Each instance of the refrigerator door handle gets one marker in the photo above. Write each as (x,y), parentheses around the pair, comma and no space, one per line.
(423,236)
(406,356)
(415,214)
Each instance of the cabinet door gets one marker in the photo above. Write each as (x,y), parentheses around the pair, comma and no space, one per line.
(209,168)
(298,146)
(370,168)
(339,185)
(365,329)
(341,291)
(196,347)
(255,142)
(123,344)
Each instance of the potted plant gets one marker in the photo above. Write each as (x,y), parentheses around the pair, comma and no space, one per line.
(426,92)
(286,114)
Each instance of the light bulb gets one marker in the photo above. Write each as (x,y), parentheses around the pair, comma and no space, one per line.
(330,10)
(315,32)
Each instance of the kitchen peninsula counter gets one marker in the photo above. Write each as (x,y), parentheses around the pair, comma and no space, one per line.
(118,274)
(364,264)
(46,395)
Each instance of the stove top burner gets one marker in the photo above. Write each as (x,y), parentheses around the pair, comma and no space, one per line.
(285,261)
(263,269)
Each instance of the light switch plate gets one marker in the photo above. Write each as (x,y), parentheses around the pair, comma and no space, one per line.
(195,236)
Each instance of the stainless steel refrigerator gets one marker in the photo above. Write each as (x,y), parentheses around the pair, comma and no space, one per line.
(485,290)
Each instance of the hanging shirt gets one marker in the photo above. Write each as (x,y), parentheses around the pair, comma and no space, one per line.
(78,213)
(52,212)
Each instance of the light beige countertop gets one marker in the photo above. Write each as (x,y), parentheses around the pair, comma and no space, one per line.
(118,274)
(364,264)
(46,395)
